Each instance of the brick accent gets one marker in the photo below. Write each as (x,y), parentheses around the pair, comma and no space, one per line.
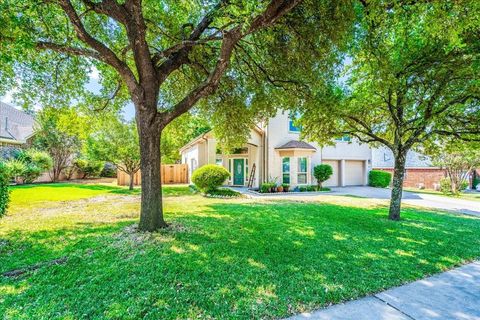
(414,178)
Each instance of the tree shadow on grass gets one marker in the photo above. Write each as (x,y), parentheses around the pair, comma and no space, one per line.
(240,260)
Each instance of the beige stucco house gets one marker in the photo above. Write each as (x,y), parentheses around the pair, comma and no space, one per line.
(274,151)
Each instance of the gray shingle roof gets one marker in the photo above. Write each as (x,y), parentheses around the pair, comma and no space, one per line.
(294,144)
(15,124)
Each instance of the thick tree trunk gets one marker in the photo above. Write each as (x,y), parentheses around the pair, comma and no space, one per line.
(151,216)
(132,176)
(397,187)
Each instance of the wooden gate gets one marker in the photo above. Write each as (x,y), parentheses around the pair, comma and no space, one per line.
(171,174)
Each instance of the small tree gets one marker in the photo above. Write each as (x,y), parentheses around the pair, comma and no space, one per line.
(322,173)
(458,160)
(117,142)
(57,134)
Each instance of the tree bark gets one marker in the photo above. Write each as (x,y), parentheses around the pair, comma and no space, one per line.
(132,176)
(151,216)
(397,188)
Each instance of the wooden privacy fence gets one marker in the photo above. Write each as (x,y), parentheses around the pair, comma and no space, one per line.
(171,174)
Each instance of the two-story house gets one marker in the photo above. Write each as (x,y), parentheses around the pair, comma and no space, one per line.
(274,151)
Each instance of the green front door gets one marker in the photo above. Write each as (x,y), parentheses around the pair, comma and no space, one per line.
(238,172)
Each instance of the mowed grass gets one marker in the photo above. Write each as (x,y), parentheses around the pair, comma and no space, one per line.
(472,195)
(33,193)
(224,259)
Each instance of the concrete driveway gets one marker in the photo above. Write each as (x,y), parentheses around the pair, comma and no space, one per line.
(417,199)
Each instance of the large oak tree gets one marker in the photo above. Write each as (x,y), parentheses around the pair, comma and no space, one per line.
(168,56)
(413,75)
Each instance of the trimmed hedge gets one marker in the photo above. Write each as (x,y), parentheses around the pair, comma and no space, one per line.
(209,177)
(4,192)
(379,178)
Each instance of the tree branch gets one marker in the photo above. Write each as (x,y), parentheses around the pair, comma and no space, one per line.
(274,11)
(107,55)
(43,45)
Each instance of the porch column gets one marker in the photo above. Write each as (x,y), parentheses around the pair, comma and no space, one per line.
(365,172)
(342,173)
(211,151)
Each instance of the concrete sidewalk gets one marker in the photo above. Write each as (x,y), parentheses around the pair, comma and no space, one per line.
(450,295)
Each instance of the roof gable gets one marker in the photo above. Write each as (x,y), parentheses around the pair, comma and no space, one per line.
(15,124)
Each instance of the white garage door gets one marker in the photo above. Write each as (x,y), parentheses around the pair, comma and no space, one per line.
(354,173)
(334,180)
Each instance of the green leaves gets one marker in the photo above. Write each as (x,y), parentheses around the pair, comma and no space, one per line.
(412,76)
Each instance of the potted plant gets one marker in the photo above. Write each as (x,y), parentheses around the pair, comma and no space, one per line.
(264,188)
(285,187)
(280,188)
(273,187)
(273,184)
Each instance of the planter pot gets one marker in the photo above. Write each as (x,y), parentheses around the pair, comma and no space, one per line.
(280,189)
(285,189)
(273,189)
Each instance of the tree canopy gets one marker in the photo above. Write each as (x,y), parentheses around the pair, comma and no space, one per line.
(236,60)
(411,76)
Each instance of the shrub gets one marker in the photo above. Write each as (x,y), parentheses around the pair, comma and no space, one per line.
(322,173)
(209,177)
(312,188)
(89,168)
(265,188)
(4,192)
(15,167)
(29,165)
(109,171)
(379,178)
(445,185)
(39,159)
(30,173)
(302,189)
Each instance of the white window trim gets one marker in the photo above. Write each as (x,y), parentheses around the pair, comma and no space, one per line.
(306,172)
(289,169)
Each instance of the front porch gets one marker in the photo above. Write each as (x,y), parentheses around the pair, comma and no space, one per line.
(243,165)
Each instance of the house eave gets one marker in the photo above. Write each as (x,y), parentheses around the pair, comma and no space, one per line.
(11,141)
(193,141)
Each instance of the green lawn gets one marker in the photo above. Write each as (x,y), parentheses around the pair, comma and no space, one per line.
(220,259)
(475,196)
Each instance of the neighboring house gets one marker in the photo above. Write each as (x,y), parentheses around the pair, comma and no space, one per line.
(277,153)
(16,127)
(419,172)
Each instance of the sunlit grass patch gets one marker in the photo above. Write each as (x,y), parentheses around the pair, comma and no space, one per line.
(236,258)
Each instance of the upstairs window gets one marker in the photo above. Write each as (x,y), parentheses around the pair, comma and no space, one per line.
(345,138)
(291,123)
